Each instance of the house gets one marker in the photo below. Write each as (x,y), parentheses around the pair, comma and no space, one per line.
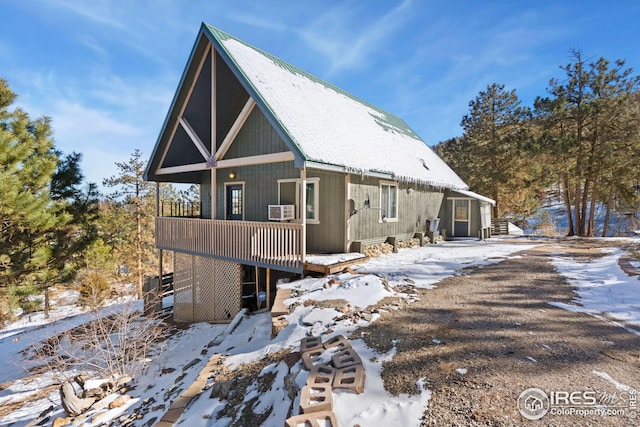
(287,165)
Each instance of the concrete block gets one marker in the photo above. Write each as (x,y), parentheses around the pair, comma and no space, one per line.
(357,247)
(316,398)
(310,343)
(309,358)
(321,374)
(338,342)
(393,241)
(347,357)
(315,419)
(350,378)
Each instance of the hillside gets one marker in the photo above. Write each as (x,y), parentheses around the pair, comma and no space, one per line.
(264,379)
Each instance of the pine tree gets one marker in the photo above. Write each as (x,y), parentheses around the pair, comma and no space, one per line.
(78,204)
(45,214)
(27,211)
(490,153)
(591,128)
(137,198)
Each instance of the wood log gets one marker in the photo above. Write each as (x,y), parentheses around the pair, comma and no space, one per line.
(72,404)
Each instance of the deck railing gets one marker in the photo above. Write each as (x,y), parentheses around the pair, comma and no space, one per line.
(272,244)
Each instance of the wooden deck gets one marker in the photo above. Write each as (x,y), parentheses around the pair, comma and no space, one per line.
(333,268)
(264,244)
(499,226)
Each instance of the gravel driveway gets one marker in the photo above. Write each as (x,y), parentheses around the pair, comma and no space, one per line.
(482,338)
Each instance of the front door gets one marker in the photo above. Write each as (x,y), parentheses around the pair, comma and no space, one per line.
(235,202)
(460,218)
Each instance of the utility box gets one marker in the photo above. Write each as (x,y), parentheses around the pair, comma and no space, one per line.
(433,229)
(282,212)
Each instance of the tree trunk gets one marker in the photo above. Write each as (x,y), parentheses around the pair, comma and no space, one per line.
(139,240)
(579,224)
(567,204)
(607,216)
(592,210)
(584,205)
(576,208)
(47,305)
(496,209)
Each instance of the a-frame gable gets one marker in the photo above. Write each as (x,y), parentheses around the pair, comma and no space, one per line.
(209,110)
(175,146)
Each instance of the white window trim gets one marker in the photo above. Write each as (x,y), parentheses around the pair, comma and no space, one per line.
(385,208)
(316,198)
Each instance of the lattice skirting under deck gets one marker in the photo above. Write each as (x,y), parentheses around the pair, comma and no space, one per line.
(205,289)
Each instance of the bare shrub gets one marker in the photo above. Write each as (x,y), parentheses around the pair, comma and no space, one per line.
(116,341)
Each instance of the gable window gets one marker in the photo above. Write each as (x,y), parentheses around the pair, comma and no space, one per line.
(289,194)
(388,201)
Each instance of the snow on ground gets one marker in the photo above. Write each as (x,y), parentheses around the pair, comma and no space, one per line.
(332,258)
(601,286)
(427,265)
(187,351)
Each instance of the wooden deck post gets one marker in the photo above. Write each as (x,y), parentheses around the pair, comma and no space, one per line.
(159,250)
(268,288)
(257,269)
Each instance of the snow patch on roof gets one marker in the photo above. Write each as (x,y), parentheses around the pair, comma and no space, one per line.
(331,127)
(477,196)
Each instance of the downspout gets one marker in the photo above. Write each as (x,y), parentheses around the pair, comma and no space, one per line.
(303,215)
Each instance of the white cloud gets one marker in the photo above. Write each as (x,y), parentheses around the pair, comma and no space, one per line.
(99,135)
(346,44)
(105,118)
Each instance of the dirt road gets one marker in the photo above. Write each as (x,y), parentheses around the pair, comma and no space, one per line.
(482,338)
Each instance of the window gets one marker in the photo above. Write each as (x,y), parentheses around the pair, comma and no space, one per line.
(388,201)
(289,194)
(312,201)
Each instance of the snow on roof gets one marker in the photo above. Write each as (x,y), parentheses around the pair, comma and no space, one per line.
(332,127)
(477,196)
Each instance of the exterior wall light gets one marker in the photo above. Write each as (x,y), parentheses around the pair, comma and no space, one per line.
(232,175)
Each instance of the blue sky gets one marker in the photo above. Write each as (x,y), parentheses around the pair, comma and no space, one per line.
(106,71)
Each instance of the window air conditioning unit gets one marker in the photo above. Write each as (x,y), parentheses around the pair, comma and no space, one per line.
(281,212)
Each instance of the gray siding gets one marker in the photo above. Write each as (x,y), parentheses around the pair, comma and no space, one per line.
(256,137)
(329,235)
(260,187)
(205,195)
(416,204)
